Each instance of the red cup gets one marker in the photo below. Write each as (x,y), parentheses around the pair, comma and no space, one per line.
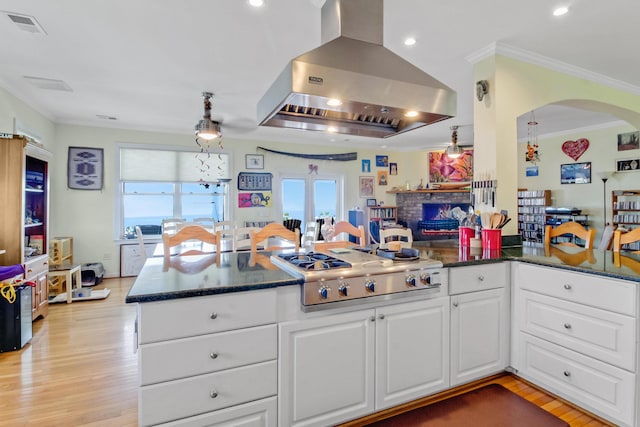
(491,239)
(464,235)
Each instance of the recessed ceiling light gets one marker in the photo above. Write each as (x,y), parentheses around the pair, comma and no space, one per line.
(560,11)
(256,3)
(411,114)
(409,41)
(334,102)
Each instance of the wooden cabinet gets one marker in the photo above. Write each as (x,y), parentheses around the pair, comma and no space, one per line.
(626,212)
(575,335)
(24,197)
(339,367)
(479,321)
(532,215)
(226,348)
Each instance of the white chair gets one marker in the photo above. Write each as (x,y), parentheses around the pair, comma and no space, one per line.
(170,225)
(402,235)
(242,238)
(143,251)
(311,231)
(208,223)
(227,233)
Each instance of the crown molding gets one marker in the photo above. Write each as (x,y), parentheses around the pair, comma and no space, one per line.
(549,135)
(503,49)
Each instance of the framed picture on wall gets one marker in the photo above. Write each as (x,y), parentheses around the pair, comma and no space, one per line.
(575,173)
(372,202)
(85,168)
(628,165)
(629,141)
(254,161)
(366,186)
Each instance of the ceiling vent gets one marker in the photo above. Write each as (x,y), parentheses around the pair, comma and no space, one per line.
(26,23)
(48,84)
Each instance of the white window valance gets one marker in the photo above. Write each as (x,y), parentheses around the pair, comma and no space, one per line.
(140,164)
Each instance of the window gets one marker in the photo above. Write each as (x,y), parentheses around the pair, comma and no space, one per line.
(311,197)
(169,186)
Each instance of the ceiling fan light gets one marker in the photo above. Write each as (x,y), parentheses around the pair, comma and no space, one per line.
(454,151)
(208,129)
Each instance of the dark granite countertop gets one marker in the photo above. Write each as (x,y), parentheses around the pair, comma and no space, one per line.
(192,276)
(238,271)
(624,266)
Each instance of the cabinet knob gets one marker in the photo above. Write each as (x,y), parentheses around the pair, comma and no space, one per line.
(481,278)
(372,318)
(567,373)
(213,355)
(567,325)
(381,316)
(455,303)
(213,394)
(567,286)
(213,316)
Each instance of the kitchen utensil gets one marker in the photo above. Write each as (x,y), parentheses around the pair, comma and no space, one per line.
(504,222)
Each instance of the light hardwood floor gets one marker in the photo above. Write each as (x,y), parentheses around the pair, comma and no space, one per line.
(80,370)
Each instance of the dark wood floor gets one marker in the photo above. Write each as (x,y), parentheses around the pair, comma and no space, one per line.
(80,370)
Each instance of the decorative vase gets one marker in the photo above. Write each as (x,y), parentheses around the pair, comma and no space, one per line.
(327,229)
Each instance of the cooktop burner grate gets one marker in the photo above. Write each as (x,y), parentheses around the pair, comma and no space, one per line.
(314,261)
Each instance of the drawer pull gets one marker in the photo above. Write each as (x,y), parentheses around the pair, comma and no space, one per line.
(567,325)
(481,278)
(213,316)
(567,373)
(567,286)
(213,355)
(381,317)
(213,394)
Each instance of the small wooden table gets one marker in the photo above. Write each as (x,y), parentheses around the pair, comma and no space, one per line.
(69,272)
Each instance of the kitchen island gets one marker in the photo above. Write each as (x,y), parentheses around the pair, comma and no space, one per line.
(267,362)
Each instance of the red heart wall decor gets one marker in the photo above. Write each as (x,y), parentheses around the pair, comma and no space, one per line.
(575,149)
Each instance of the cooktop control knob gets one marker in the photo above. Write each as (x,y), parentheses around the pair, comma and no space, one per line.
(370,285)
(324,291)
(343,289)
(410,280)
(425,278)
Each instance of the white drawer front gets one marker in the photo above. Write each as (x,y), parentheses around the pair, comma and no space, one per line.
(262,413)
(601,334)
(597,386)
(186,357)
(188,317)
(36,266)
(590,289)
(183,398)
(477,278)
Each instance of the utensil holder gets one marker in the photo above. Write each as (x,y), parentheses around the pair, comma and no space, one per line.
(492,239)
(464,236)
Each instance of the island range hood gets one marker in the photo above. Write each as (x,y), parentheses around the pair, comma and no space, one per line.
(352,84)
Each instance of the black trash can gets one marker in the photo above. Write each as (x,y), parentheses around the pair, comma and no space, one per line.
(15,320)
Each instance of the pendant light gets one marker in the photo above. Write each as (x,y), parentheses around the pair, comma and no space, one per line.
(454,150)
(206,128)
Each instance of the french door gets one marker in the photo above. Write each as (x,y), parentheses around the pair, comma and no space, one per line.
(310,197)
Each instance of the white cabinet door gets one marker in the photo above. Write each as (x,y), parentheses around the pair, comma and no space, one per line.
(479,335)
(326,369)
(412,351)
